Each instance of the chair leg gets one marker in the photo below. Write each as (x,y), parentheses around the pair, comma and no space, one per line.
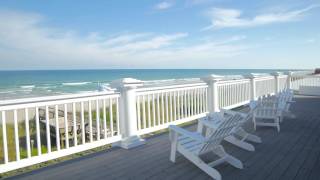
(278,124)
(196,160)
(173,152)
(227,157)
(247,136)
(242,144)
(173,137)
(208,169)
(254,138)
(254,123)
(234,162)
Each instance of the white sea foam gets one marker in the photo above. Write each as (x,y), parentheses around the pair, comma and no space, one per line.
(7,92)
(75,83)
(84,92)
(27,86)
(45,87)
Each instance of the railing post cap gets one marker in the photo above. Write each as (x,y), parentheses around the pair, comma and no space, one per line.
(126,83)
(251,75)
(289,73)
(212,78)
(276,73)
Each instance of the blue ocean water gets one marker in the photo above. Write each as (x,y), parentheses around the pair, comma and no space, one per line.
(32,83)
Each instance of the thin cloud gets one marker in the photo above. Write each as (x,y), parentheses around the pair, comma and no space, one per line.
(164,5)
(232,18)
(311,40)
(26,43)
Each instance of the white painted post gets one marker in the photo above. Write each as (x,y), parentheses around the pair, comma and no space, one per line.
(128,111)
(213,99)
(289,85)
(277,82)
(252,77)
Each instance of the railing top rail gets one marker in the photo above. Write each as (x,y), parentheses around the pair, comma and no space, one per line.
(264,78)
(170,87)
(307,76)
(306,72)
(283,76)
(233,81)
(57,99)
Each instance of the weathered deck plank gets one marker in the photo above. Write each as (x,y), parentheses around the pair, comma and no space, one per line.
(294,153)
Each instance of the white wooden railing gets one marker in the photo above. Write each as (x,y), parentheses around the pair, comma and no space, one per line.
(56,126)
(233,93)
(157,108)
(300,80)
(35,130)
(265,85)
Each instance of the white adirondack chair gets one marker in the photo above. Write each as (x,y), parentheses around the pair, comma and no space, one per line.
(192,145)
(270,113)
(240,137)
(283,100)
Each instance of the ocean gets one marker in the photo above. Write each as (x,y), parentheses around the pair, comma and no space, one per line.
(34,83)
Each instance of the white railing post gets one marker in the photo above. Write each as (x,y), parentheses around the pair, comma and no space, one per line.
(289,85)
(277,82)
(128,112)
(252,86)
(213,99)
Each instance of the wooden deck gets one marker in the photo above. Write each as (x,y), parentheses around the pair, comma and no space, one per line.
(294,153)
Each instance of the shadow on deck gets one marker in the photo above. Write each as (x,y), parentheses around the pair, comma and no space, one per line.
(291,154)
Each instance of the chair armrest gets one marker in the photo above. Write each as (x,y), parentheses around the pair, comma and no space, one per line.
(265,108)
(231,112)
(210,124)
(192,135)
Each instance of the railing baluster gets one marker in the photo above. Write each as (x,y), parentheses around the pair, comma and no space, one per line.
(56,108)
(158,108)
(138,113)
(174,105)
(181,104)
(90,122)
(66,129)
(192,98)
(16,134)
(199,105)
(162,108)
(185,112)
(98,119)
(4,136)
(201,100)
(167,108)
(144,112)
(149,111)
(195,101)
(83,131)
(178,104)
(104,118)
(170,102)
(75,125)
(153,111)
(48,130)
(117,114)
(26,112)
(188,103)
(111,116)
(206,99)
(38,132)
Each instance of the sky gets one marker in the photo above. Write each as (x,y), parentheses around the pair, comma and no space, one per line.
(212,34)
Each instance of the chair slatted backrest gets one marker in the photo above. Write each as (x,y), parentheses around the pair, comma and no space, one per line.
(246,116)
(224,129)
